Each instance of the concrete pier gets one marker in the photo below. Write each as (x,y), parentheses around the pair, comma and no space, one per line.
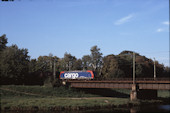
(133,93)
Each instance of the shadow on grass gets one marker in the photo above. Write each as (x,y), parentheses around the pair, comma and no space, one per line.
(105,92)
(166,100)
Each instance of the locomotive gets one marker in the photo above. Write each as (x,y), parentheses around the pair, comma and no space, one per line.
(76,75)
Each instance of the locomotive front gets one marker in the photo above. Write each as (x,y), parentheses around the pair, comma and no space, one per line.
(72,75)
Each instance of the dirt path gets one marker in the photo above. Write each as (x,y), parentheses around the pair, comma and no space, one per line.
(91,98)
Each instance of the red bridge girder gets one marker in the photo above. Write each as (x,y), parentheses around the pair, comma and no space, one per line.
(126,84)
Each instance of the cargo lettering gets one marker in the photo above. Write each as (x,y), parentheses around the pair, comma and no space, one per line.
(71,75)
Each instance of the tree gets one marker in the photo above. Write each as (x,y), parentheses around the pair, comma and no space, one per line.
(109,67)
(77,65)
(33,66)
(69,61)
(14,64)
(86,60)
(167,72)
(96,58)
(34,76)
(43,64)
(3,42)
(45,67)
(113,67)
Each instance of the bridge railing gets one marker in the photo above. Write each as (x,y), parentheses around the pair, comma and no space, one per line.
(137,79)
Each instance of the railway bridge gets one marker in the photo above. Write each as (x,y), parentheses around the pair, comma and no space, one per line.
(144,88)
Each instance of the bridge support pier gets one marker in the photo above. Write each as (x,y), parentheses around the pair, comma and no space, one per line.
(133,93)
(137,93)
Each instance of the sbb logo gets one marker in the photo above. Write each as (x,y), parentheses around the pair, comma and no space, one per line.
(71,75)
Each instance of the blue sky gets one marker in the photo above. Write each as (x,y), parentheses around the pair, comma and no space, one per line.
(74,26)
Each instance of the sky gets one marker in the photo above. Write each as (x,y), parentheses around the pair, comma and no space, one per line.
(74,26)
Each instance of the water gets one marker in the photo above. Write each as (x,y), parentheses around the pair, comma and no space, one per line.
(165,107)
(141,109)
(154,109)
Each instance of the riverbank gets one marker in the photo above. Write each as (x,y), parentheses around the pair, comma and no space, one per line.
(20,98)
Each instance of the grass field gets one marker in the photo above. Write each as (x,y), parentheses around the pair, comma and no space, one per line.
(47,97)
(52,102)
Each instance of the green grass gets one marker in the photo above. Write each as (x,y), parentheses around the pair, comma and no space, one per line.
(46,97)
(125,91)
(164,93)
(53,102)
(41,91)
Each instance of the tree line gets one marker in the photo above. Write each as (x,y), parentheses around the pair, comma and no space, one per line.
(16,67)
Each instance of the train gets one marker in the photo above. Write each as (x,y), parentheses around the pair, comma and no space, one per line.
(76,75)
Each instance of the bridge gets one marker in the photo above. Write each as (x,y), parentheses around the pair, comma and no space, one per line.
(142,88)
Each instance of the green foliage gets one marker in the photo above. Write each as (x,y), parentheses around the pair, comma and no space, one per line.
(115,67)
(94,61)
(86,60)
(120,66)
(69,61)
(77,65)
(17,68)
(3,42)
(14,64)
(45,63)
(96,58)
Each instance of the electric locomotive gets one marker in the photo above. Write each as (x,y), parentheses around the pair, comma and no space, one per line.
(77,75)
